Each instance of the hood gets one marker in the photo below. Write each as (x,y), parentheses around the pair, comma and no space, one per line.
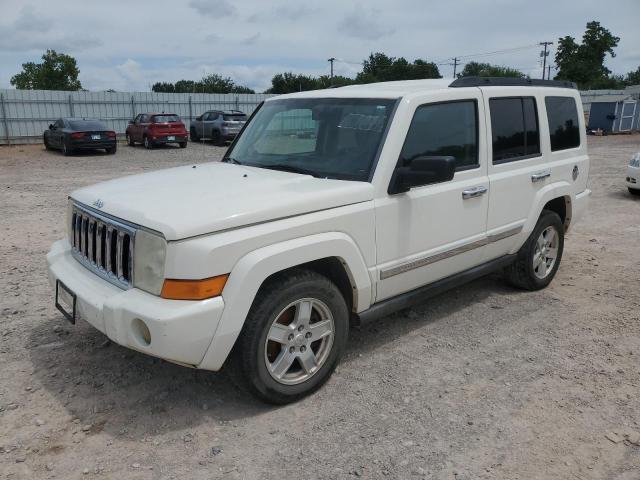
(188,201)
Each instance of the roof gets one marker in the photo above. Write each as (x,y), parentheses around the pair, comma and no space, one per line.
(403,88)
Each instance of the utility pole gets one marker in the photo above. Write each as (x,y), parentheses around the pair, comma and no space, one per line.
(544,56)
(549,72)
(331,60)
(455,66)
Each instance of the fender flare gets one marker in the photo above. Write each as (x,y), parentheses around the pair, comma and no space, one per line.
(545,195)
(250,272)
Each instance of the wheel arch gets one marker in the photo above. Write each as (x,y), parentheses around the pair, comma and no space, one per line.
(332,254)
(556,197)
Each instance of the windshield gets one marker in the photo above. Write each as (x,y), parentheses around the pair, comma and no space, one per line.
(325,137)
(165,118)
(236,117)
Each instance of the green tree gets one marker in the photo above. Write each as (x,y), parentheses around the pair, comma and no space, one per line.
(475,69)
(289,82)
(584,63)
(56,72)
(210,84)
(633,78)
(382,68)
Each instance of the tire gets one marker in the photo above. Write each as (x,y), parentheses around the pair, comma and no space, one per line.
(193,135)
(183,144)
(148,144)
(111,151)
(523,273)
(634,191)
(66,151)
(216,138)
(130,141)
(254,357)
(46,143)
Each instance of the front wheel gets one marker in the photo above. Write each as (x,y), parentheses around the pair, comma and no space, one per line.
(634,191)
(293,337)
(130,141)
(538,259)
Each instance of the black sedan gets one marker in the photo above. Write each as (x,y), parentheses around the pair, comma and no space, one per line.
(73,134)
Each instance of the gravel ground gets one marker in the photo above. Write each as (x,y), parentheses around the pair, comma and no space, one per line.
(482,382)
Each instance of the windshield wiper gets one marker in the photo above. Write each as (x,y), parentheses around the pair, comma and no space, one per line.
(231,160)
(290,168)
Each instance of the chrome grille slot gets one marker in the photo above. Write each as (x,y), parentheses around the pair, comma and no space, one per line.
(104,245)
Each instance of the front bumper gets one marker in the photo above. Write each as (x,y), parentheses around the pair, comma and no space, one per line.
(633,177)
(181,331)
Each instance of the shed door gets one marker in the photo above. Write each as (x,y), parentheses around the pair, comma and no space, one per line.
(627,115)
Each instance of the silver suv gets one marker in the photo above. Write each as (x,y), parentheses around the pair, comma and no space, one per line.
(217,125)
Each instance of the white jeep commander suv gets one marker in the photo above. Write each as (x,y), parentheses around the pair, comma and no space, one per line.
(331,207)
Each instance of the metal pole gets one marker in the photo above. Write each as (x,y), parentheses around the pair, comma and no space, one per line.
(133,108)
(237,103)
(70,106)
(544,57)
(4,119)
(190,112)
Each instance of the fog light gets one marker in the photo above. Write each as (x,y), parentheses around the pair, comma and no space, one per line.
(141,332)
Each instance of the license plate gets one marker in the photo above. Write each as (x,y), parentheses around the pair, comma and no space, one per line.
(170,138)
(95,137)
(65,301)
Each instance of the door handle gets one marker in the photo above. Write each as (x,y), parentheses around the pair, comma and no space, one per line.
(539,176)
(474,192)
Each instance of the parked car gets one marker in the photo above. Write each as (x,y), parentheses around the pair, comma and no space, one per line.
(153,129)
(73,134)
(633,175)
(332,208)
(219,126)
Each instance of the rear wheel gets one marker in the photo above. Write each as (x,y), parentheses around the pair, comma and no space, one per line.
(66,150)
(539,258)
(634,191)
(148,144)
(130,141)
(293,337)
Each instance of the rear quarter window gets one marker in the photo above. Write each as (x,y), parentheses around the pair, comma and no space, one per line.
(564,127)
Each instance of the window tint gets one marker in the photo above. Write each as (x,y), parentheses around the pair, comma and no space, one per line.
(165,118)
(563,122)
(514,127)
(444,129)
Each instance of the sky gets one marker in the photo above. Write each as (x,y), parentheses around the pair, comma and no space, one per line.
(129,45)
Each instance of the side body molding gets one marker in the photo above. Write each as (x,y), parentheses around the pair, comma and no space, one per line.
(254,268)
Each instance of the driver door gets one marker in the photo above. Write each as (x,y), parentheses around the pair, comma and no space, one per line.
(434,231)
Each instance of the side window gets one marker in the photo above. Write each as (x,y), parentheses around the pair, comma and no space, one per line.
(564,128)
(144,118)
(514,127)
(444,129)
(137,120)
(200,118)
(213,116)
(58,124)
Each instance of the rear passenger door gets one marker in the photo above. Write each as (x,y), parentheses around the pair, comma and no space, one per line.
(210,124)
(517,168)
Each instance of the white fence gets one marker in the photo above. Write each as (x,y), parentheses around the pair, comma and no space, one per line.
(26,114)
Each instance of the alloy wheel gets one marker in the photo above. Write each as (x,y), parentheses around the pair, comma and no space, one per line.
(299,341)
(546,252)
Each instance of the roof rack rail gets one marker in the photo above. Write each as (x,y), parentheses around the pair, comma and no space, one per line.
(509,82)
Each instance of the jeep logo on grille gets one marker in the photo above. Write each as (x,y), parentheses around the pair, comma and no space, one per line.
(98,203)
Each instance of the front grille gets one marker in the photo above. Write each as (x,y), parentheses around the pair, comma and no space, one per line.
(103,245)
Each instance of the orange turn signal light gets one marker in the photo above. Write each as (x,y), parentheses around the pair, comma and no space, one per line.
(193,289)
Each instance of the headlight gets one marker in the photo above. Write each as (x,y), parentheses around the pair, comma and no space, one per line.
(635,160)
(148,261)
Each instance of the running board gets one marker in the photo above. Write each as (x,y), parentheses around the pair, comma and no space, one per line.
(419,295)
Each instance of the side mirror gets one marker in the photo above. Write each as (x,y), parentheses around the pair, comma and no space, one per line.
(422,171)
(51,127)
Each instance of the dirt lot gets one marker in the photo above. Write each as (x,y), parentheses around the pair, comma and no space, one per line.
(483,382)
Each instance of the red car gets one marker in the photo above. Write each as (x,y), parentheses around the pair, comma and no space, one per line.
(153,129)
